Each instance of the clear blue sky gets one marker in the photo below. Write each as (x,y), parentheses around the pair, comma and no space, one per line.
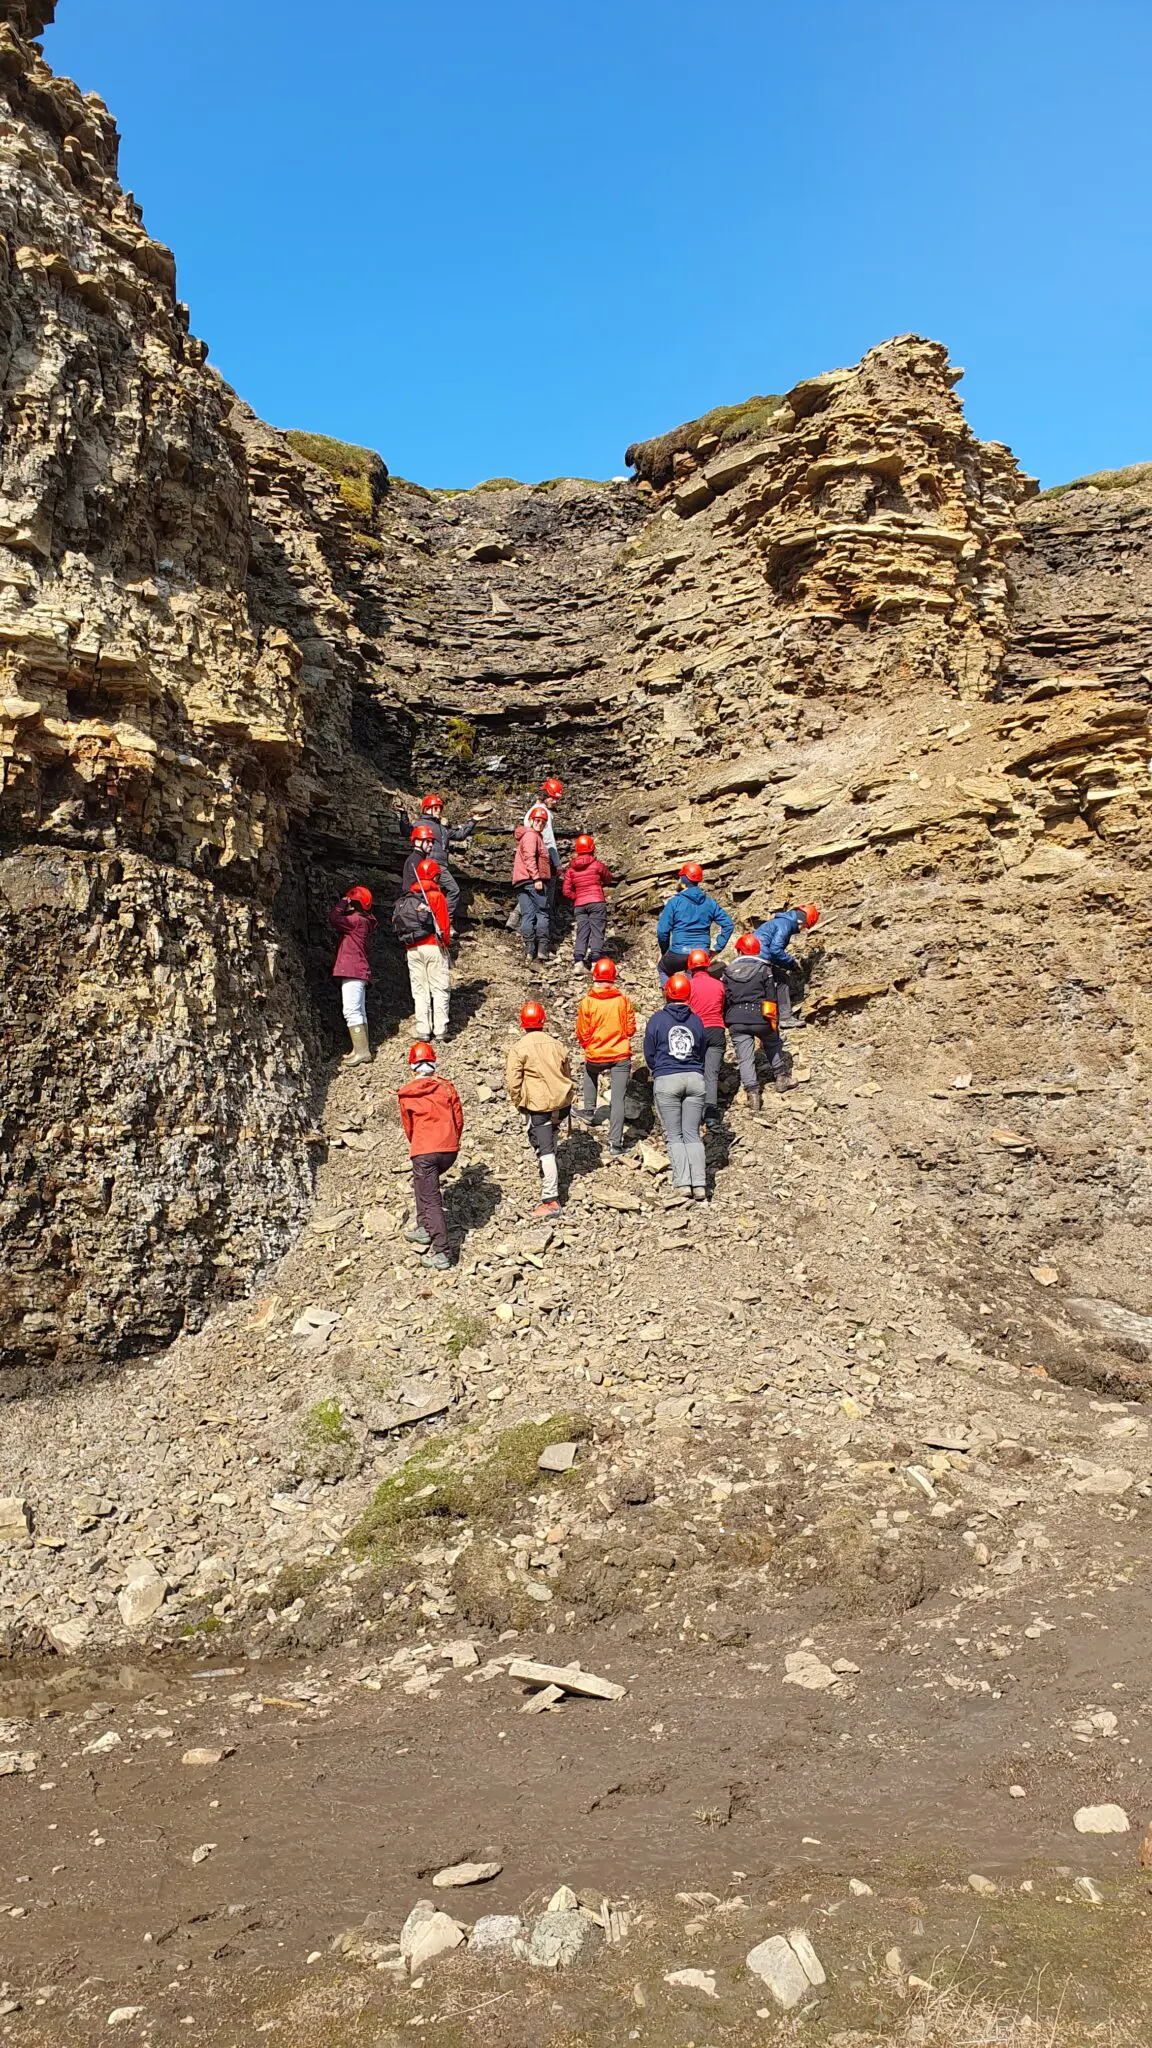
(508,238)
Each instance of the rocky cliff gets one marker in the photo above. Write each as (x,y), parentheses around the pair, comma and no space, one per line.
(829,642)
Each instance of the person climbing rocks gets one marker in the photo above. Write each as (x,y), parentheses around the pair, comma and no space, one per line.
(443,836)
(424,848)
(707,1002)
(352,918)
(531,877)
(687,921)
(585,880)
(674,1049)
(605,1028)
(421,922)
(775,935)
(540,1086)
(433,1119)
(750,1015)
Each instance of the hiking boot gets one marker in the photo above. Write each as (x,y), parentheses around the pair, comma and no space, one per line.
(783,1083)
(699,1194)
(712,1120)
(754,1098)
(546,1209)
(417,1234)
(678,1198)
(616,1152)
(439,1260)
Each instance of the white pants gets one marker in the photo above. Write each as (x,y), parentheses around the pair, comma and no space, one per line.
(430,973)
(353,996)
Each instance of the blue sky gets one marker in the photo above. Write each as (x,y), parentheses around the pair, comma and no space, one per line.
(508,239)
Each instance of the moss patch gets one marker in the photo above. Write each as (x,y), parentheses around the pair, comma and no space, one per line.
(454,1479)
(465,1329)
(654,460)
(360,475)
(1139,475)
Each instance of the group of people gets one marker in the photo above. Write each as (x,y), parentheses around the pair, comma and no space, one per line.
(706,1000)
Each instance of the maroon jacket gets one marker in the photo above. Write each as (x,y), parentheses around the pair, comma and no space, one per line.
(355,928)
(586,879)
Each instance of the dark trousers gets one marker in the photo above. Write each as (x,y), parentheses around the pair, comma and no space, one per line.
(713,1061)
(672,963)
(541,1130)
(588,938)
(426,1170)
(534,921)
(619,1071)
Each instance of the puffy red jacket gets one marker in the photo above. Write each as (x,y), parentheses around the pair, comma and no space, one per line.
(431,1113)
(707,999)
(586,878)
(355,928)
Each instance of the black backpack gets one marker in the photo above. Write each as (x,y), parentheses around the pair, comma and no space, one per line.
(412,919)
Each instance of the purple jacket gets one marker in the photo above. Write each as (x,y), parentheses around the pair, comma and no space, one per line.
(355,928)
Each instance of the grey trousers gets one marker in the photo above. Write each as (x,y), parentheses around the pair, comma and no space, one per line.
(591,925)
(744,1045)
(679,1100)
(618,1070)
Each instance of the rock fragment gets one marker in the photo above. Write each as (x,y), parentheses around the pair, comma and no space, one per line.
(1100,1820)
(788,1966)
(143,1593)
(458,1874)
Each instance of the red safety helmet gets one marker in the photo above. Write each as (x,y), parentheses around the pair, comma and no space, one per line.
(747,943)
(698,958)
(432,802)
(691,871)
(533,1016)
(359,895)
(552,787)
(422,1054)
(809,912)
(422,835)
(585,843)
(604,970)
(427,871)
(677,988)
(538,815)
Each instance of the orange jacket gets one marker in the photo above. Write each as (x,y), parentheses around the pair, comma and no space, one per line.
(431,1113)
(605,1023)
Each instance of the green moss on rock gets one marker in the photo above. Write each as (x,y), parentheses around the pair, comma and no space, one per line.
(360,475)
(1138,477)
(654,460)
(441,1481)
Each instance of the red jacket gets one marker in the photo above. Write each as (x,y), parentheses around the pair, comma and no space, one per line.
(531,863)
(355,928)
(586,879)
(438,904)
(707,999)
(431,1113)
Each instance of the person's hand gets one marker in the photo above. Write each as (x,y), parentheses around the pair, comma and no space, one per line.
(539,888)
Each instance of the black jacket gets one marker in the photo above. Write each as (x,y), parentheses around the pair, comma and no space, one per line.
(748,982)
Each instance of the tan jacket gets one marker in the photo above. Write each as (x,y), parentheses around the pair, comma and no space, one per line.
(538,1073)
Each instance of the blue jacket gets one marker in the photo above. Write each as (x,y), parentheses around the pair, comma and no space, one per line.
(775,934)
(674,1041)
(687,919)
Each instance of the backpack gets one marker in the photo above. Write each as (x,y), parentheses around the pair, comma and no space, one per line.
(412,919)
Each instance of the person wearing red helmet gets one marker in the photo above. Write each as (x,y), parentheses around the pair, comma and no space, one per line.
(605,1028)
(750,1015)
(551,793)
(430,818)
(423,842)
(585,880)
(539,1081)
(421,922)
(707,1001)
(775,935)
(674,1049)
(352,918)
(687,921)
(531,879)
(433,1119)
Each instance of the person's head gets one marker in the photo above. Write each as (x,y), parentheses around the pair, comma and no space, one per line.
(538,817)
(552,788)
(422,835)
(604,973)
(748,944)
(433,804)
(691,873)
(698,959)
(427,871)
(677,988)
(533,1016)
(360,896)
(809,912)
(585,843)
(422,1057)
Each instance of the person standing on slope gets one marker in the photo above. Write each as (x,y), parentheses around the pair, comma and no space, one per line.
(674,1050)
(352,918)
(750,1015)
(707,1002)
(605,1028)
(424,848)
(421,923)
(540,1086)
(433,1120)
(585,880)
(687,921)
(774,936)
(531,878)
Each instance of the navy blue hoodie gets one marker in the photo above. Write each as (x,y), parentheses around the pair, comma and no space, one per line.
(674,1041)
